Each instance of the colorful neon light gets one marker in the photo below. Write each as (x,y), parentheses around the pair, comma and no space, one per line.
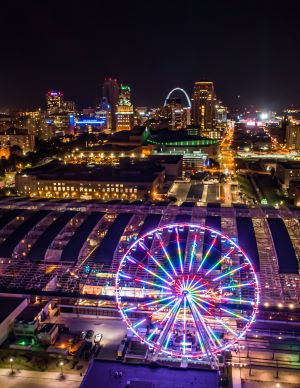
(181,299)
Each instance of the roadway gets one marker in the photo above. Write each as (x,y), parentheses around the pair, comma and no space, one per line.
(227,167)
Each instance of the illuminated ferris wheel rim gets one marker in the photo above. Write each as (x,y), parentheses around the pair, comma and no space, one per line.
(204,228)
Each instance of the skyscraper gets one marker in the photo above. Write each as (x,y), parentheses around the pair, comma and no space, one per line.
(124,111)
(174,113)
(203,107)
(110,91)
(293,136)
(103,112)
(54,101)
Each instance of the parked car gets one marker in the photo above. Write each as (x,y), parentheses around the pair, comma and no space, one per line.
(74,348)
(83,335)
(89,334)
(98,338)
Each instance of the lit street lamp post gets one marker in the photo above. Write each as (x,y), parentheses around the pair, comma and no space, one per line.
(11,360)
(61,364)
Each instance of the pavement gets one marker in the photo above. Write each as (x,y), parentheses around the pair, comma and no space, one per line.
(209,191)
(262,378)
(34,379)
(236,378)
(117,375)
(180,190)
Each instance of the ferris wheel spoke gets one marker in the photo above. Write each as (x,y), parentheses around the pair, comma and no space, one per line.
(196,302)
(171,311)
(179,250)
(184,325)
(196,285)
(193,252)
(125,276)
(231,272)
(172,326)
(207,254)
(138,323)
(149,254)
(153,303)
(233,314)
(236,300)
(164,306)
(239,285)
(166,253)
(149,338)
(201,343)
(147,304)
(152,284)
(201,338)
(220,261)
(153,274)
(170,318)
(168,340)
(215,337)
(226,327)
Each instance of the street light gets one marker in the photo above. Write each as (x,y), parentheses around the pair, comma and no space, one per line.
(61,364)
(11,360)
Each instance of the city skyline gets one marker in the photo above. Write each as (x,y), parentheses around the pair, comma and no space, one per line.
(149,194)
(73,48)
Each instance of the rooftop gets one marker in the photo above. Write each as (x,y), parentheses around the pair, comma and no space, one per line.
(167,159)
(14,131)
(30,312)
(140,375)
(8,305)
(131,172)
(179,137)
(111,148)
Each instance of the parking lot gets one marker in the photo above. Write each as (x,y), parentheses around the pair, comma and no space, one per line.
(113,331)
(195,190)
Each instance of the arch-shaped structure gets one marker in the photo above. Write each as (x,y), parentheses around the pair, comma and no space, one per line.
(181,90)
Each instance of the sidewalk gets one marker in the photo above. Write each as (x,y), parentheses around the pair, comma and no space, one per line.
(25,378)
(236,378)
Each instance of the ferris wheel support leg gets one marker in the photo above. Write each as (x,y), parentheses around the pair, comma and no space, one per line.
(166,330)
(204,333)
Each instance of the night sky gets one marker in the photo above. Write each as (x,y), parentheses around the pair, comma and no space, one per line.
(248,48)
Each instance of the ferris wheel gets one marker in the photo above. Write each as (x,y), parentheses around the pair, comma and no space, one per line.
(187,290)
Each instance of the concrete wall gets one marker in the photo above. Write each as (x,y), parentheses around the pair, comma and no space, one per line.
(7,325)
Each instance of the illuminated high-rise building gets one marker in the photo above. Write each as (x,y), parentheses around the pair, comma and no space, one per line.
(103,112)
(110,91)
(69,107)
(292,136)
(54,101)
(203,107)
(124,111)
(221,113)
(174,113)
(141,115)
